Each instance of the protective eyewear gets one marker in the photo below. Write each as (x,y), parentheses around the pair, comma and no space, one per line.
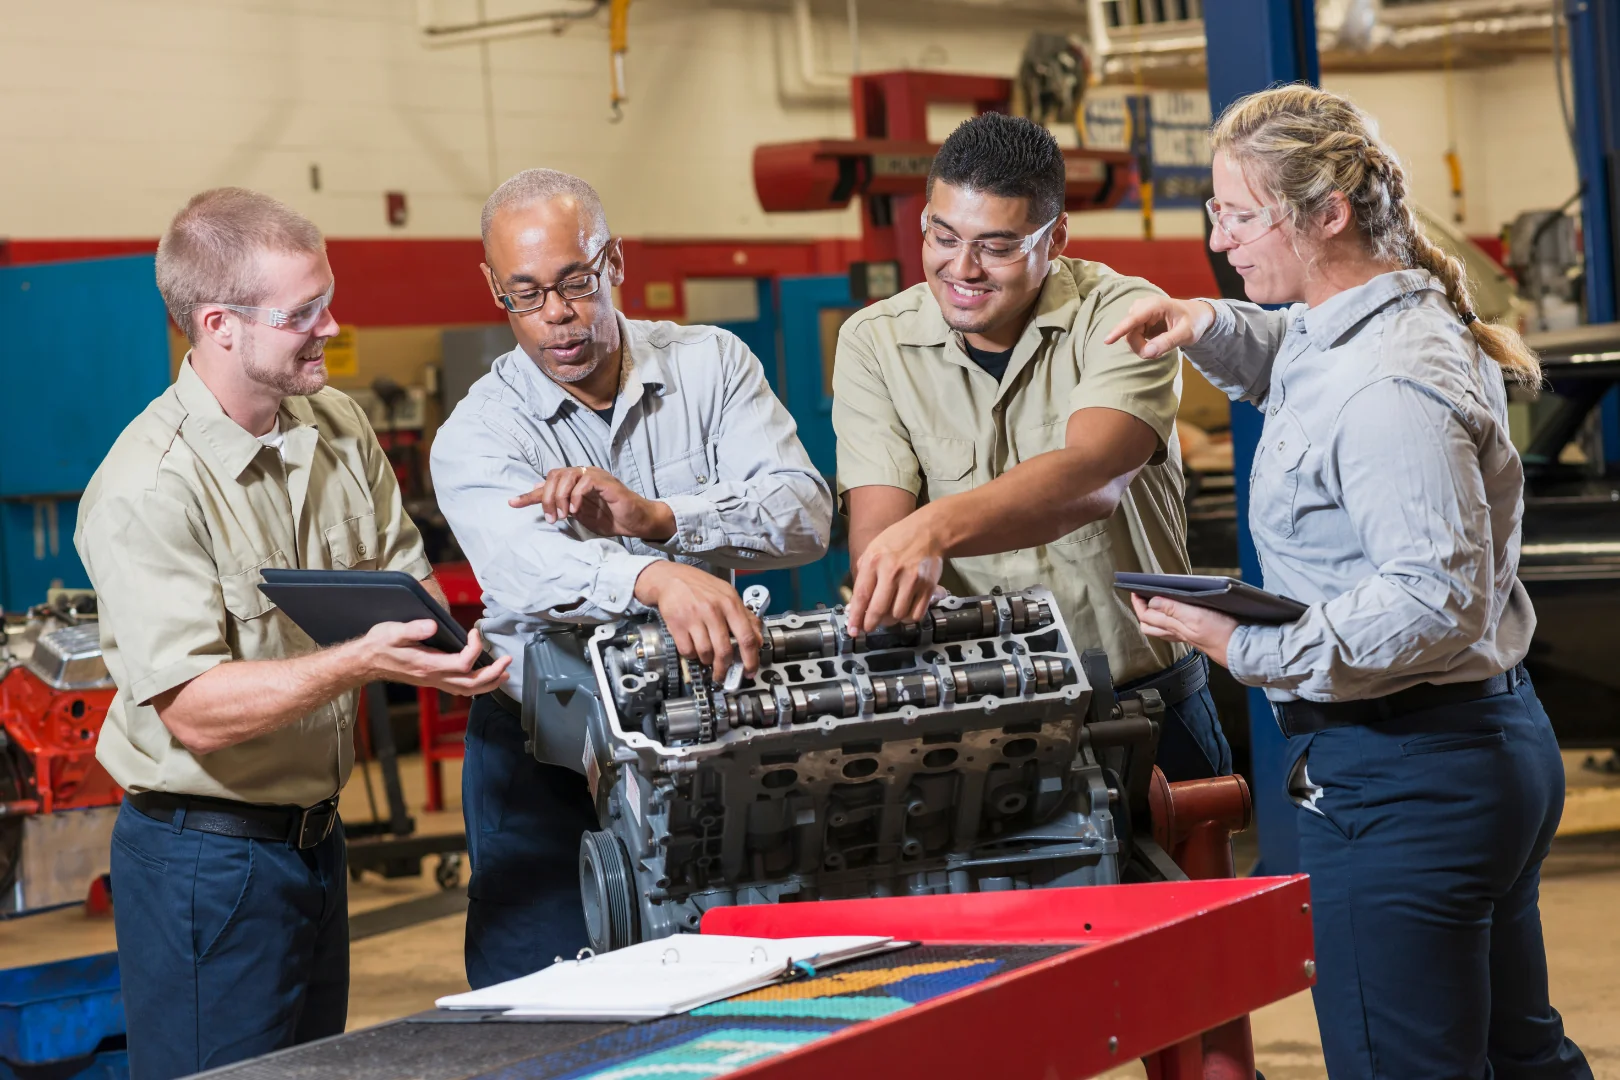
(992,252)
(526,297)
(298,320)
(1246,226)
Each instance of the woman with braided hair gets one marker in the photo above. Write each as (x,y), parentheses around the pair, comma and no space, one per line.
(1387,497)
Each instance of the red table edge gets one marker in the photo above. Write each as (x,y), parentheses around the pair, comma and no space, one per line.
(1159,984)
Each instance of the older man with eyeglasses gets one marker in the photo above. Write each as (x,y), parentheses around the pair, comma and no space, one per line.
(231,733)
(988,436)
(603,468)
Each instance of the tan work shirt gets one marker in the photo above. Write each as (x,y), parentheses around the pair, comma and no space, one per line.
(912,411)
(174,528)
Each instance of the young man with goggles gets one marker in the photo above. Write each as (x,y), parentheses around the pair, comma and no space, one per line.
(987,436)
(231,733)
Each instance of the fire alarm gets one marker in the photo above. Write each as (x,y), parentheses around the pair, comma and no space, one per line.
(397,211)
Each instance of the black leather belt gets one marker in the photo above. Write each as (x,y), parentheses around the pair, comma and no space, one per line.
(301,826)
(1176,683)
(506,703)
(1306,717)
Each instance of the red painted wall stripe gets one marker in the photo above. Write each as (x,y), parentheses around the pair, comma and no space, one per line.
(389,282)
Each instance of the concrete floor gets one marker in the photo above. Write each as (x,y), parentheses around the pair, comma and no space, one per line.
(403,971)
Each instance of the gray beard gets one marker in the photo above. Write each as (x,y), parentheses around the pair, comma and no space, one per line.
(286,383)
(574,374)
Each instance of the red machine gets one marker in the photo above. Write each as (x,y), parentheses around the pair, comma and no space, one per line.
(886,164)
(57,803)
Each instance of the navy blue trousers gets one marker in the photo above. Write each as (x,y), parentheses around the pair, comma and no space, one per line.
(227,948)
(524,821)
(1425,866)
(1192,745)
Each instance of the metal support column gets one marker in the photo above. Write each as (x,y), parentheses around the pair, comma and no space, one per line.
(1594,52)
(1253,44)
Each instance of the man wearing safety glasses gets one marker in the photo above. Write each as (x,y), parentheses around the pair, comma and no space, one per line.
(604,467)
(231,733)
(988,437)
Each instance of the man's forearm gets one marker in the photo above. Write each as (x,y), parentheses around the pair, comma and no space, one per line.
(1037,502)
(243,699)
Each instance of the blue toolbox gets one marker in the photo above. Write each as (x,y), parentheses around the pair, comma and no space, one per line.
(68,1015)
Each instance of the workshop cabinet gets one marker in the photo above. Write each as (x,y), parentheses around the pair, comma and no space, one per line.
(86,349)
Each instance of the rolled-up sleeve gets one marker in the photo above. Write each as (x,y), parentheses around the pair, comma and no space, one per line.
(874,445)
(767,505)
(1114,377)
(525,562)
(157,588)
(1236,352)
(1408,475)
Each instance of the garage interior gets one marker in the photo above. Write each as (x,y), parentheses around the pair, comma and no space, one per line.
(763,162)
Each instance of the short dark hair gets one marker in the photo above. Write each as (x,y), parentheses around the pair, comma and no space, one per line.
(1007,156)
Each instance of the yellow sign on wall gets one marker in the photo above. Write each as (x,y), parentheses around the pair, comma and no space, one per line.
(342,354)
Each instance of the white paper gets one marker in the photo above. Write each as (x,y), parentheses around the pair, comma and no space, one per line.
(660,978)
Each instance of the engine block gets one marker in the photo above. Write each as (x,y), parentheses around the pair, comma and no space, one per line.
(974,751)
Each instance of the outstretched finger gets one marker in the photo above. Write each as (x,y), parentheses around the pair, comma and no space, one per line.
(906,588)
(746,631)
(865,580)
(702,646)
(1141,315)
(882,597)
(528,498)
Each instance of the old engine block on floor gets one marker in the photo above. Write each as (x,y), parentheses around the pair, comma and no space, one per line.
(977,750)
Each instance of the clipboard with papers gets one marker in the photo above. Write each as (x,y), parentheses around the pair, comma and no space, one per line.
(664,977)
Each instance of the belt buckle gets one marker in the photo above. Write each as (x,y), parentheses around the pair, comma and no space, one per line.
(315,824)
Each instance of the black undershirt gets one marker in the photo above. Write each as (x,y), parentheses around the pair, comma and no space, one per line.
(606,414)
(993,362)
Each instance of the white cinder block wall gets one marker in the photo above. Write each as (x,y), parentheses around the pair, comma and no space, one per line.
(112,112)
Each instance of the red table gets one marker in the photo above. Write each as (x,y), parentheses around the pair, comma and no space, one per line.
(1157,969)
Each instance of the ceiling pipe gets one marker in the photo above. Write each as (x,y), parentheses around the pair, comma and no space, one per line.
(441,35)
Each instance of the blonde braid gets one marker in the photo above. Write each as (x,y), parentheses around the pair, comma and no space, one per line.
(1306,144)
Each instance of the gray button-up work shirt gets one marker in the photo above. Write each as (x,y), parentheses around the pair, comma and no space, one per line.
(695,426)
(1385,492)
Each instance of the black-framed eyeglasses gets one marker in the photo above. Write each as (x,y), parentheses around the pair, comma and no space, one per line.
(527,297)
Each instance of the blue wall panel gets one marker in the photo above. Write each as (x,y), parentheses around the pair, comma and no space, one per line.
(86,348)
(802,301)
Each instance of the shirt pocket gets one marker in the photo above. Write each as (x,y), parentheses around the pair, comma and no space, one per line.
(243,599)
(682,475)
(947,464)
(1036,439)
(352,544)
(1277,472)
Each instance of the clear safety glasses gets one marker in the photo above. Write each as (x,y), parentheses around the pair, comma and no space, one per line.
(992,252)
(1245,226)
(299,320)
(530,297)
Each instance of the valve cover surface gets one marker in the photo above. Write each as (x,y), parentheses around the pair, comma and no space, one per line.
(966,753)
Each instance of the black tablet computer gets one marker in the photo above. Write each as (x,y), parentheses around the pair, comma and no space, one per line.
(1237,598)
(334,606)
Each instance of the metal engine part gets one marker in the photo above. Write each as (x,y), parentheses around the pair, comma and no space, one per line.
(978,750)
(57,803)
